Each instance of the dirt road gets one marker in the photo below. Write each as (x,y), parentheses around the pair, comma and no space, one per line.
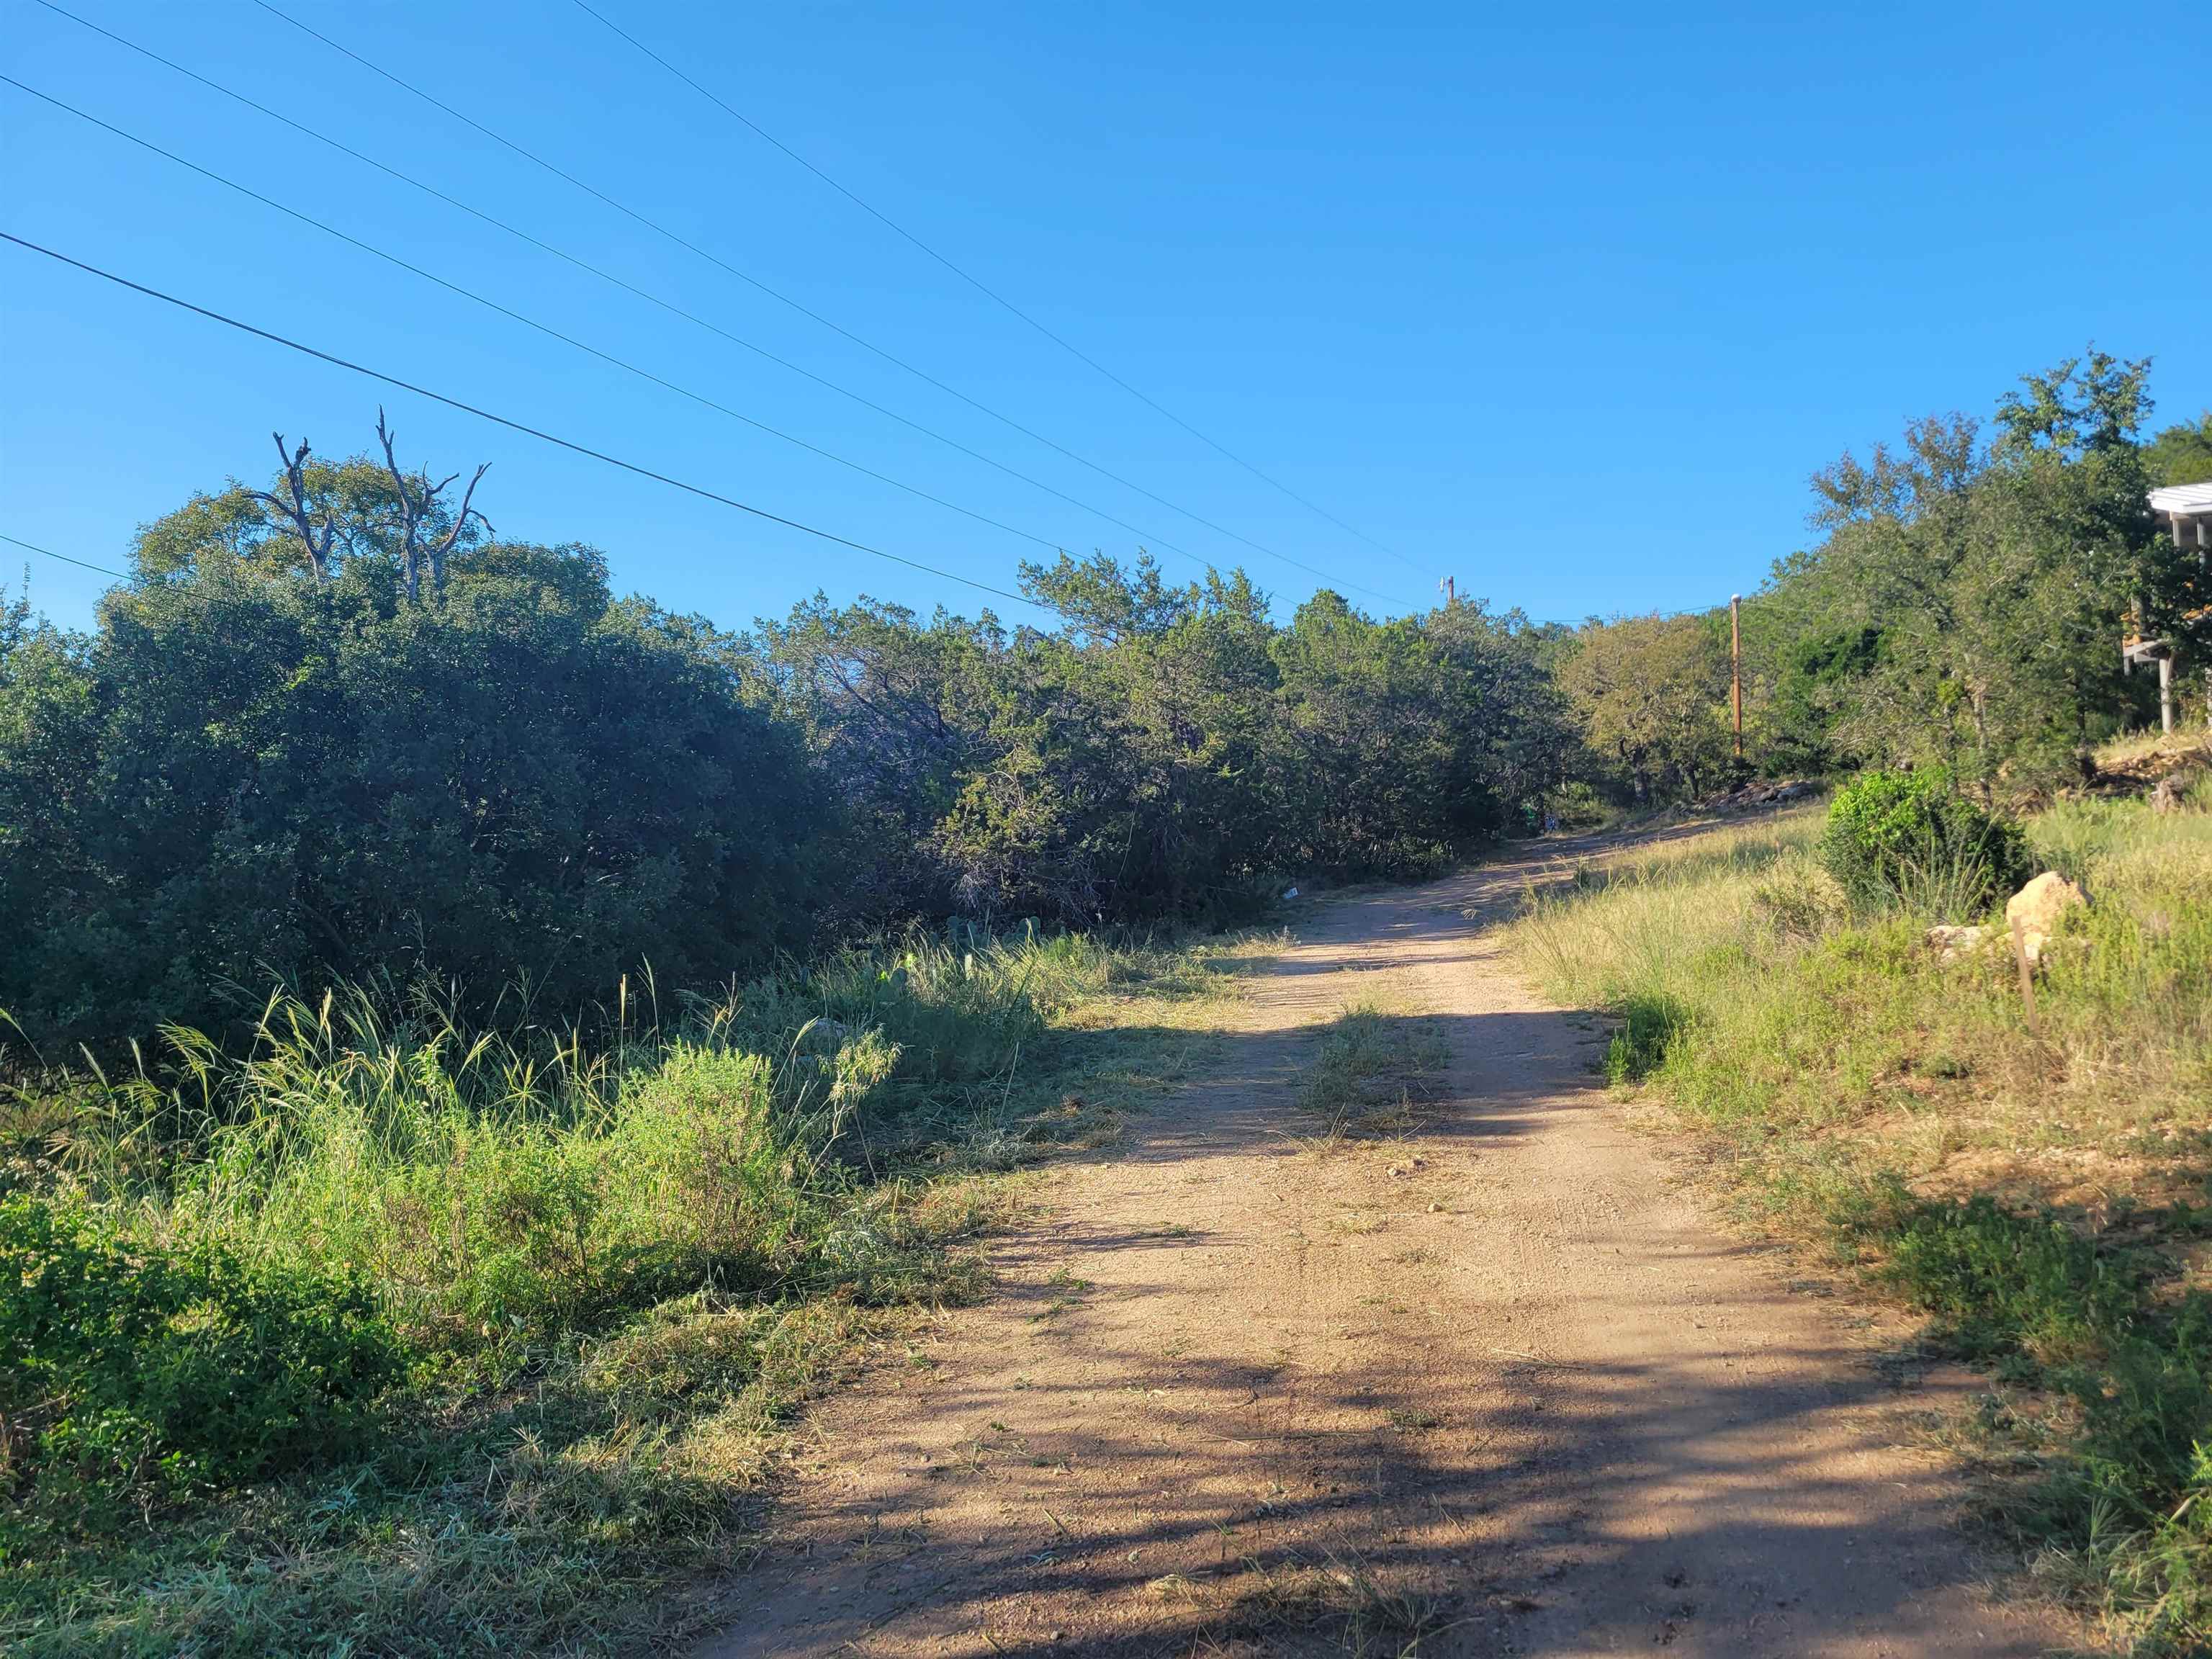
(1495,1387)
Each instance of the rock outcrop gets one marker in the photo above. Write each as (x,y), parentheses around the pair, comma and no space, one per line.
(2034,911)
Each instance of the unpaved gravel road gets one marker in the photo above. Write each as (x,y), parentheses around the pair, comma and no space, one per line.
(1239,1396)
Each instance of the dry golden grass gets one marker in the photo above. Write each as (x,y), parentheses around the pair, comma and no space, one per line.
(2153,754)
(2041,1191)
(1842,1042)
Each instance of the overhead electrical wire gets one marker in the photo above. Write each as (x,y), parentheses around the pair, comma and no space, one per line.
(531,322)
(513,425)
(82,564)
(1148,537)
(983,288)
(750,281)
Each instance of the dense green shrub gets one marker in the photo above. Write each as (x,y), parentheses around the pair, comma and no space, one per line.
(254,775)
(1911,837)
(1163,750)
(246,778)
(122,1360)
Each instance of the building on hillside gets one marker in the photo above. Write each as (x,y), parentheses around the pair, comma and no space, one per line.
(2186,512)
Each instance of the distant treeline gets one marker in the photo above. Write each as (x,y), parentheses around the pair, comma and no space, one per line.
(334,731)
(268,764)
(1965,606)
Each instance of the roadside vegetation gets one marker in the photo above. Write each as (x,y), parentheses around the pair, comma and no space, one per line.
(395,1334)
(476,1050)
(2044,1193)
(1960,604)
(259,771)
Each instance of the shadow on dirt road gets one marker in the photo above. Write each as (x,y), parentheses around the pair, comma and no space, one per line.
(1493,1385)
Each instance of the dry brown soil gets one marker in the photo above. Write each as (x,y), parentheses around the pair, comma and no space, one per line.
(1498,1385)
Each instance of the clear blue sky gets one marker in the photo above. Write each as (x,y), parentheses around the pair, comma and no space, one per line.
(1563,301)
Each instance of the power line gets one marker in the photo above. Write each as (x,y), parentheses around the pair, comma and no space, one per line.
(604,276)
(529,322)
(569,444)
(1145,537)
(82,564)
(984,288)
(779,297)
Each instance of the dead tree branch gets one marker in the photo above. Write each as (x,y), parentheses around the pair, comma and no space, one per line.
(296,512)
(460,523)
(414,508)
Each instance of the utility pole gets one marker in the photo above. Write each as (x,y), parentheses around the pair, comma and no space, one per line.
(1450,587)
(1736,667)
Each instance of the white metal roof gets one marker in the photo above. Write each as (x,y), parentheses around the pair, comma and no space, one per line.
(2188,500)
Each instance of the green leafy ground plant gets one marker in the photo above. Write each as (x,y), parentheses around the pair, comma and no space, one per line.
(484,1335)
(1910,838)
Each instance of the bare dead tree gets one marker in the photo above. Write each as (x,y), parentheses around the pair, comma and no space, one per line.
(414,508)
(295,511)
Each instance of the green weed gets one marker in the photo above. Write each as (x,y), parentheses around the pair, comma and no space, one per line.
(483,1332)
(2039,1193)
(1650,1025)
(2120,1510)
(123,1362)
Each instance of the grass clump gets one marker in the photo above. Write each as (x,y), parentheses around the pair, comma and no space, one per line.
(1649,1026)
(1371,1070)
(1339,1598)
(2042,1194)
(398,1331)
(2120,1515)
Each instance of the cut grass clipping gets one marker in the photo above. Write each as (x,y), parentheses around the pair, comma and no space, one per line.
(2042,1198)
(399,1337)
(1372,1071)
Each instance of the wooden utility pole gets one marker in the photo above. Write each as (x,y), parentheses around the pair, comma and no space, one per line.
(1736,667)
(1449,588)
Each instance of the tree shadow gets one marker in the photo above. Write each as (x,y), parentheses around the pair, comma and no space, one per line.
(1681,1450)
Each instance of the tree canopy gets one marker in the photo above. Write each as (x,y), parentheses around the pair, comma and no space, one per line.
(1963,604)
(338,728)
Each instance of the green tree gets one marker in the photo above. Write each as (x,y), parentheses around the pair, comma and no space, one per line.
(2181,454)
(1966,605)
(1650,694)
(1163,748)
(896,714)
(245,773)
(1130,767)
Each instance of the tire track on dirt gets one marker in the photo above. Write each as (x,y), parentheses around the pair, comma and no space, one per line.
(1236,1395)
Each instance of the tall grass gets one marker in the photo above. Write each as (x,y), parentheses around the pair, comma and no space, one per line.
(616,1252)
(2040,1192)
